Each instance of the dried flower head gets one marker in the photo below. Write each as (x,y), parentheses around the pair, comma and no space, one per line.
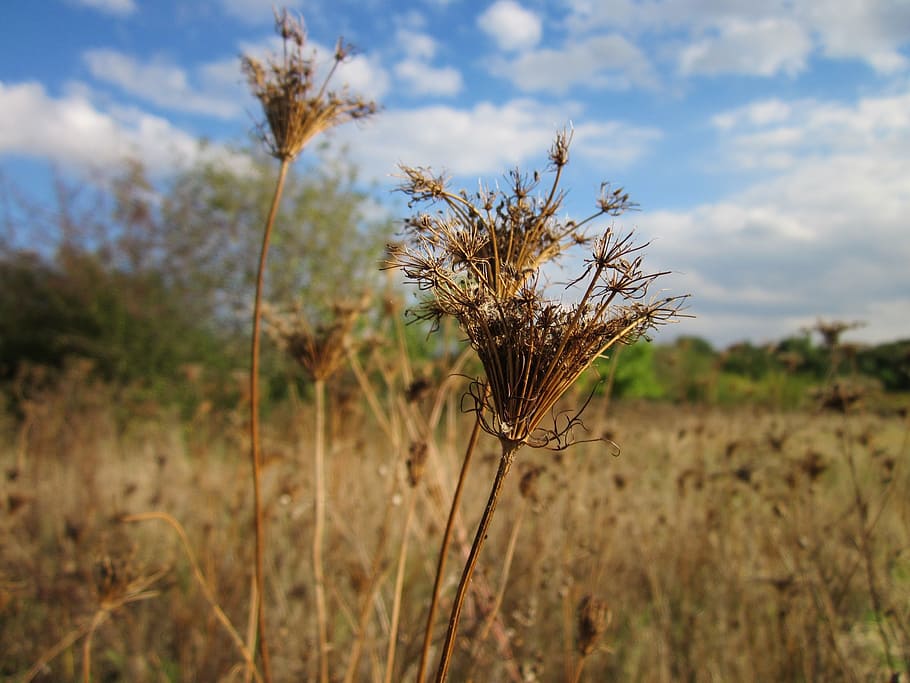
(594,619)
(501,238)
(320,349)
(417,459)
(295,108)
(479,261)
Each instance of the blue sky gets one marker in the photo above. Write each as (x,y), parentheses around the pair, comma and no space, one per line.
(768,143)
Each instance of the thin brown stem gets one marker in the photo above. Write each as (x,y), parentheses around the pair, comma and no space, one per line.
(207,592)
(504,576)
(399,588)
(444,549)
(100,617)
(505,464)
(257,600)
(319,532)
(376,577)
(576,676)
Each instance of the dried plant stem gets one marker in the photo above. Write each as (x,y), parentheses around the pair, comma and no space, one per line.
(319,531)
(509,449)
(504,576)
(258,597)
(61,645)
(444,549)
(200,579)
(576,677)
(375,580)
(100,617)
(399,588)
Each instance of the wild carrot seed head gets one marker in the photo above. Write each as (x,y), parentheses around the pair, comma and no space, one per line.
(479,261)
(295,108)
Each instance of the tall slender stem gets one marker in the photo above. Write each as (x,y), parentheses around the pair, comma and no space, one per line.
(505,463)
(319,532)
(399,588)
(443,551)
(255,450)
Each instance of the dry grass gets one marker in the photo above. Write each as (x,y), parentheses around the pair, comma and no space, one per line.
(726,546)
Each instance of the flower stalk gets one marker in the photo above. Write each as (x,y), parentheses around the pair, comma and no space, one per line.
(478,259)
(296,110)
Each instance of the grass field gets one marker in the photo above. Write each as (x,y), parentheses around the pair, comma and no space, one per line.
(719,545)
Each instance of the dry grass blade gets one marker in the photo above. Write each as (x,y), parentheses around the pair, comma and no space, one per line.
(200,579)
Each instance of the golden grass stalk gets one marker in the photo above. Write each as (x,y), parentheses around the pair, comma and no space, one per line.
(444,549)
(479,261)
(320,350)
(295,111)
(416,464)
(201,580)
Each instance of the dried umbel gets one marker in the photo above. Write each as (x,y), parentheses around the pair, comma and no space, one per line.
(319,348)
(295,107)
(417,460)
(594,618)
(479,261)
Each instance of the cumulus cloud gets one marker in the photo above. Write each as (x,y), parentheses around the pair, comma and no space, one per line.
(484,140)
(873,31)
(415,44)
(71,131)
(415,71)
(876,32)
(762,48)
(512,26)
(117,7)
(423,79)
(602,62)
(215,91)
(825,235)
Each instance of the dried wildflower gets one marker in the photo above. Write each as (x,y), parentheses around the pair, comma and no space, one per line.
(479,262)
(496,239)
(417,459)
(594,618)
(295,108)
(320,349)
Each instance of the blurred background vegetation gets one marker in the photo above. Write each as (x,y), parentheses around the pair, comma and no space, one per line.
(149,280)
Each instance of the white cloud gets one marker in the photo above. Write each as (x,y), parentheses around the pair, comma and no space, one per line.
(620,143)
(119,7)
(601,62)
(484,140)
(424,79)
(872,31)
(216,91)
(415,44)
(756,113)
(363,74)
(71,131)
(512,26)
(826,235)
(810,129)
(762,48)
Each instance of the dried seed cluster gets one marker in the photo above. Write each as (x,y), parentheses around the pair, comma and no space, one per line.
(320,349)
(478,258)
(295,108)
